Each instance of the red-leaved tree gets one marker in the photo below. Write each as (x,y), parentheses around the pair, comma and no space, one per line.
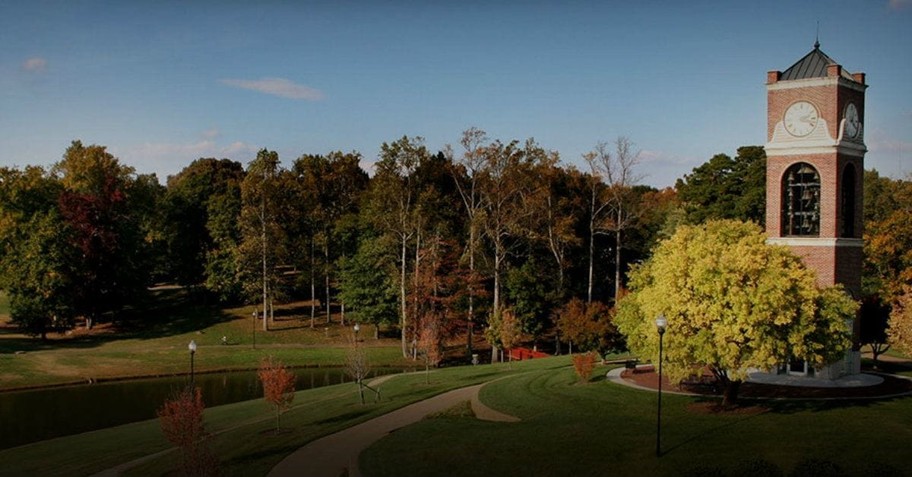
(278,385)
(181,419)
(429,344)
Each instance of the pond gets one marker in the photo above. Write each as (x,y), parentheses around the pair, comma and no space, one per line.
(34,415)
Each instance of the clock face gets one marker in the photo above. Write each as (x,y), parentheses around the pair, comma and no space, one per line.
(852,123)
(801,118)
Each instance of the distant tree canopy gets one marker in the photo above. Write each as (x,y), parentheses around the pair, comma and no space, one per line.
(442,239)
(195,200)
(727,188)
(888,235)
(888,263)
(78,241)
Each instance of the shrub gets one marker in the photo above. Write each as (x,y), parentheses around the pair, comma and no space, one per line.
(584,364)
(181,419)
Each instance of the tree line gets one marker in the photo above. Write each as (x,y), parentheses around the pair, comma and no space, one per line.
(460,240)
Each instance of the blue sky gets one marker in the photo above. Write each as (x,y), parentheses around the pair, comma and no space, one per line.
(163,83)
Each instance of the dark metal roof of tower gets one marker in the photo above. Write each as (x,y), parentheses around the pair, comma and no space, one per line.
(813,65)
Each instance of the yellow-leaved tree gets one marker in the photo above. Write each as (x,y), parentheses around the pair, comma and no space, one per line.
(900,329)
(733,303)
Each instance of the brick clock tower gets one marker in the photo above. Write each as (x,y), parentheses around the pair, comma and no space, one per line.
(814,178)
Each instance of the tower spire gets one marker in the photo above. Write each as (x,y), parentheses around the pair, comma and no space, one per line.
(817,37)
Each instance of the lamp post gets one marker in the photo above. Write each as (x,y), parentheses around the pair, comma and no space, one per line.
(661,323)
(192,348)
(254,327)
(357,328)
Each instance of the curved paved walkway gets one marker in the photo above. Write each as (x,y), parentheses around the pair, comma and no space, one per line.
(337,453)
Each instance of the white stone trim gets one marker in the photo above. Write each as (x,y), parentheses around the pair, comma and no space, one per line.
(811,82)
(820,136)
(773,149)
(816,242)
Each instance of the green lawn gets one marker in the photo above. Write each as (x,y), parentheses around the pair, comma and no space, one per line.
(606,429)
(152,339)
(245,448)
(566,429)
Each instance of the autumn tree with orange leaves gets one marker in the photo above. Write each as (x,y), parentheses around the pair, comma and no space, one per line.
(181,420)
(278,385)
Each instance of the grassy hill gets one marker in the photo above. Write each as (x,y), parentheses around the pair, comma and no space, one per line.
(151,339)
(566,428)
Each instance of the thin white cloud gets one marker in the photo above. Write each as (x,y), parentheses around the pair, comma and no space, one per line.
(166,159)
(664,158)
(277,87)
(35,65)
(237,149)
(888,145)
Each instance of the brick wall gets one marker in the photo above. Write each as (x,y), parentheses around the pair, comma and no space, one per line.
(833,263)
(825,98)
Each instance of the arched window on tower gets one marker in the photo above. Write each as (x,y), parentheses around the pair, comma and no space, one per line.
(847,215)
(801,201)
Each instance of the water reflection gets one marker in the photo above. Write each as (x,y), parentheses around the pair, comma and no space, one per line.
(29,416)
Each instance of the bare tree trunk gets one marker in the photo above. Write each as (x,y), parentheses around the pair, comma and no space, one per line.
(265,280)
(342,303)
(326,274)
(617,265)
(415,291)
(497,263)
(313,281)
(591,259)
(471,320)
(403,301)
(554,245)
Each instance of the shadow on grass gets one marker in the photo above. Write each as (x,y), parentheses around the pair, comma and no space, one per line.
(300,326)
(298,312)
(891,367)
(159,313)
(262,455)
(793,406)
(738,419)
(349,416)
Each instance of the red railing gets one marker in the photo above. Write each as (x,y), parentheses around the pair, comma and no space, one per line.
(519,354)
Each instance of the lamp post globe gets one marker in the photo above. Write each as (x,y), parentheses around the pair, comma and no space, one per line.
(357,329)
(192,348)
(661,323)
(254,327)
